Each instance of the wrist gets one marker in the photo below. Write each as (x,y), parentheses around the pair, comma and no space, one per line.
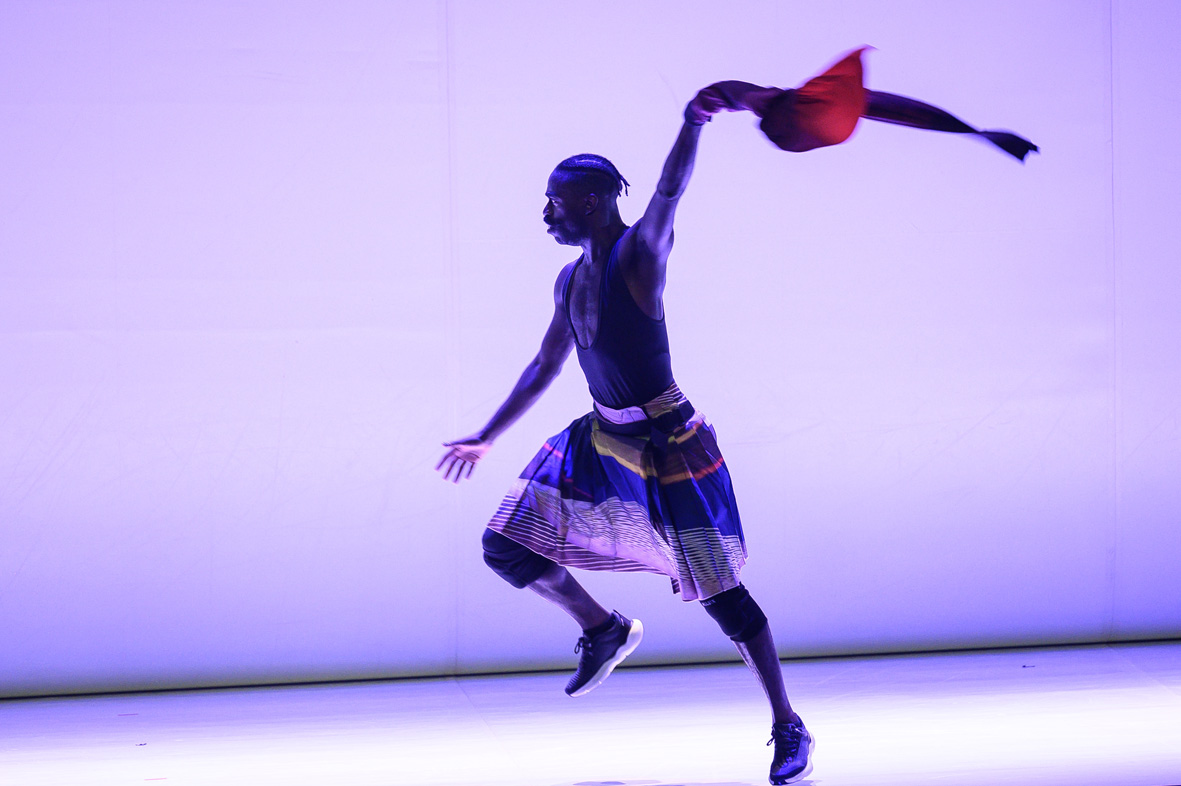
(694,116)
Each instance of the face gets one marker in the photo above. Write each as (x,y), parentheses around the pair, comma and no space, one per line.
(564,212)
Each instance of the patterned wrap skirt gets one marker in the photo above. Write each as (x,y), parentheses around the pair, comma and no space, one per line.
(649,495)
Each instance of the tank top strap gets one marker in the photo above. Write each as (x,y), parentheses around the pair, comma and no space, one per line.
(612,268)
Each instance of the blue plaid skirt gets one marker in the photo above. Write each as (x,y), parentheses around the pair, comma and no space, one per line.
(652,495)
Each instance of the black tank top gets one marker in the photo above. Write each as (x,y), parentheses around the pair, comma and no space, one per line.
(627,363)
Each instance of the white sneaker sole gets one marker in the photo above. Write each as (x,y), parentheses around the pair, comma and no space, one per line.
(633,640)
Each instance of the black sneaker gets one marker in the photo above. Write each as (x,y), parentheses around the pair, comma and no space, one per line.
(793,752)
(602,653)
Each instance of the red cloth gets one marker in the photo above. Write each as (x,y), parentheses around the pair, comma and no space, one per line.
(821,112)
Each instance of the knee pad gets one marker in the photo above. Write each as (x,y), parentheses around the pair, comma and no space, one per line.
(736,613)
(511,561)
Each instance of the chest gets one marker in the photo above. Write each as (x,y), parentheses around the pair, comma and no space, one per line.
(584,302)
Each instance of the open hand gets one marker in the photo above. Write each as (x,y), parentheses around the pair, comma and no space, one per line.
(461,457)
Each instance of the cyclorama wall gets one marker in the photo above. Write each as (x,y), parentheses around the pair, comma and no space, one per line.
(260,262)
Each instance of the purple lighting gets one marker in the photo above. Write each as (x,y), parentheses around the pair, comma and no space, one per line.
(258,261)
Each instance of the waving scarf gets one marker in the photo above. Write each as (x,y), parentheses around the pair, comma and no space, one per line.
(825,110)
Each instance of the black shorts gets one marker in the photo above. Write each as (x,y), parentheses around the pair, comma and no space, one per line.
(513,562)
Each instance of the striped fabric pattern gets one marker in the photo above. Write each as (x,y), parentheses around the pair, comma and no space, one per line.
(632,497)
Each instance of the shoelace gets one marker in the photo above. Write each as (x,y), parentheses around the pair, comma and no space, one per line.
(583,643)
(792,736)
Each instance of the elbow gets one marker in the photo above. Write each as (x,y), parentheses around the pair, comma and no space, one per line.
(545,371)
(670,193)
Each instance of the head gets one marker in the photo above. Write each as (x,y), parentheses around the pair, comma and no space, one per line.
(581,196)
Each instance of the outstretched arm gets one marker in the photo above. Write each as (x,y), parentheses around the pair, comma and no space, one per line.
(463,454)
(655,229)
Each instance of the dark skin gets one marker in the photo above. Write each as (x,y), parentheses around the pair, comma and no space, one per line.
(576,216)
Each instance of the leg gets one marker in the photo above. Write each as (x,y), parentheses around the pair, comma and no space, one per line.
(762,659)
(560,588)
(608,637)
(523,568)
(744,622)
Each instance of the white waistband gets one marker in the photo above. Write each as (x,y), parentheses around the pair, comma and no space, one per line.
(670,397)
(620,416)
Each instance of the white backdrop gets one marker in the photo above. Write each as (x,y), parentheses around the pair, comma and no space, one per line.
(259,259)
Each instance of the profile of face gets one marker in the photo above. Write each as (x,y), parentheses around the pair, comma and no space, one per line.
(566,210)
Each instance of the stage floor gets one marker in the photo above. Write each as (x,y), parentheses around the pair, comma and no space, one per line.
(1087,715)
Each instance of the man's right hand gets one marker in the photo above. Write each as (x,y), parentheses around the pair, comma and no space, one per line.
(462,456)
(729,96)
(707,103)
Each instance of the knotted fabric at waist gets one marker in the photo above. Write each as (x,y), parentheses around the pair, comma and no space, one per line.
(664,413)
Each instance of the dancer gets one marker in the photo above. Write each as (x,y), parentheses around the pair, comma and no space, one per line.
(639,484)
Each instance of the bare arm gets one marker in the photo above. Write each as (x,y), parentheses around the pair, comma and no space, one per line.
(463,454)
(535,379)
(655,229)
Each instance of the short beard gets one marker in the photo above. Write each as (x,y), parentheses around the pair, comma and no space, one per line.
(566,238)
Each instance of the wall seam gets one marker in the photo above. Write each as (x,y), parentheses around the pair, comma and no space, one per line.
(452,309)
(1113,554)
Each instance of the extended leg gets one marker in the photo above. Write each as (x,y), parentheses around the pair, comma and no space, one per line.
(762,659)
(744,622)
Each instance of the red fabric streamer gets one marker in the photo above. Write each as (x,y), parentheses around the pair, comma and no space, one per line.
(821,112)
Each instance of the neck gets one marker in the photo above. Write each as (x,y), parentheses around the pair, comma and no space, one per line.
(596,248)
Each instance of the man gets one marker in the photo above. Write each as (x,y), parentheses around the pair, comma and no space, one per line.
(639,483)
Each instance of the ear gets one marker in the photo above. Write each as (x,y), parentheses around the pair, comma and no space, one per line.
(591,204)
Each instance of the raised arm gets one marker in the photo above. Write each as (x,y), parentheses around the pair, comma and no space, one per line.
(655,229)
(463,454)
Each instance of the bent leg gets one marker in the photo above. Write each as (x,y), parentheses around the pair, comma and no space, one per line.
(560,588)
(607,637)
(511,561)
(521,568)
